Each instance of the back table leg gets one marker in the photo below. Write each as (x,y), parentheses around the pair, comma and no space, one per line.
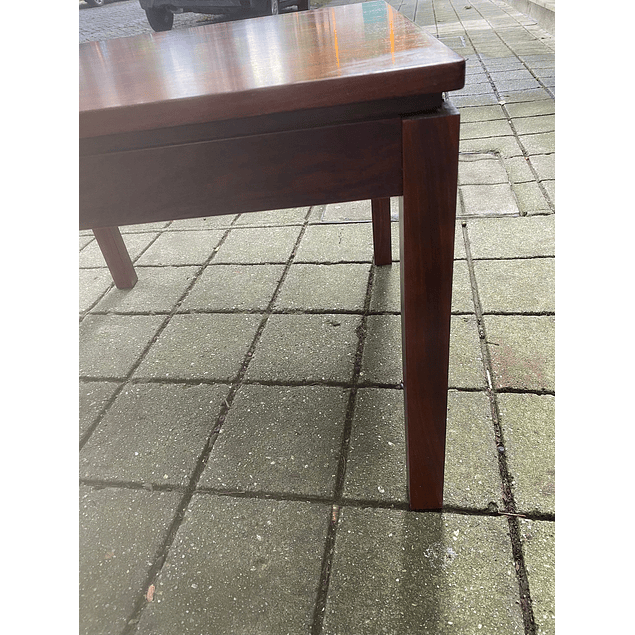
(426,226)
(381,231)
(116,256)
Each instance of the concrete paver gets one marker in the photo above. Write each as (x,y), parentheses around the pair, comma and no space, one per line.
(280,439)
(550,188)
(482,113)
(120,532)
(320,287)
(402,573)
(376,466)
(531,199)
(93,283)
(489,200)
(253,379)
(494,128)
(525,95)
(353,211)
(152,434)
(538,143)
(84,239)
(214,222)
(544,164)
(476,88)
(181,248)
(481,169)
(505,147)
(460,252)
(136,244)
(294,216)
(336,243)
(92,398)
(531,108)
(157,291)
(472,474)
(512,237)
(306,348)
(484,99)
(532,125)
(462,300)
(517,77)
(253,246)
(527,422)
(110,345)
(522,351)
(200,346)
(233,288)
(516,286)
(538,540)
(518,170)
(149,227)
(381,360)
(466,360)
(386,290)
(240,565)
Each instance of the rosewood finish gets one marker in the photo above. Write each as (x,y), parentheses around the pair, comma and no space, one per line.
(243,174)
(324,58)
(335,104)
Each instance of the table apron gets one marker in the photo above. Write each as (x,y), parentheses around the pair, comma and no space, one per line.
(279,170)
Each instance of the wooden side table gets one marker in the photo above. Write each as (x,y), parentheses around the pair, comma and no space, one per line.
(336,104)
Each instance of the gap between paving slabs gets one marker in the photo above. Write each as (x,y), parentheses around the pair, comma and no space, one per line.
(508,496)
(330,541)
(201,463)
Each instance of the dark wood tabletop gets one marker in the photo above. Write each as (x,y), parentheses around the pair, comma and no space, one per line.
(322,58)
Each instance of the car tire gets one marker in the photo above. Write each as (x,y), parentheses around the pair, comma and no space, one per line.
(270,7)
(95,3)
(160,18)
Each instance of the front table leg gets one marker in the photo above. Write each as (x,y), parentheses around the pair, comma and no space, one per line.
(426,226)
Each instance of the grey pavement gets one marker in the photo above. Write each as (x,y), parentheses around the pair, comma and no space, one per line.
(242,452)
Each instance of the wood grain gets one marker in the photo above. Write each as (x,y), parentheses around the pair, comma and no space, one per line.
(262,66)
(227,176)
(262,124)
(427,219)
(380,210)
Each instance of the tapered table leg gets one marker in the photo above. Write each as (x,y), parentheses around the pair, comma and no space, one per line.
(116,256)
(381,230)
(426,226)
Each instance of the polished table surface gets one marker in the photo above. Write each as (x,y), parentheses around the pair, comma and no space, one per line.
(292,62)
